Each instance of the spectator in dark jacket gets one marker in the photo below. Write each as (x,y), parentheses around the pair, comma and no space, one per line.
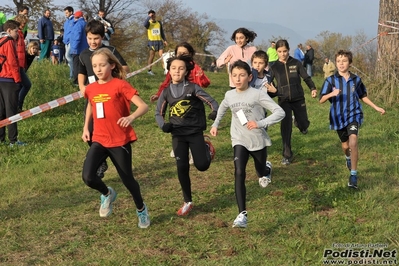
(61,44)
(308,61)
(46,34)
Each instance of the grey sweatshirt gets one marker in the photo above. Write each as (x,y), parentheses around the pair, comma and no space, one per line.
(253,103)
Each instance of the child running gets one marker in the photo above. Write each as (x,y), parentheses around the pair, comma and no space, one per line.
(288,72)
(197,76)
(186,123)
(95,33)
(248,131)
(241,50)
(260,76)
(343,90)
(109,107)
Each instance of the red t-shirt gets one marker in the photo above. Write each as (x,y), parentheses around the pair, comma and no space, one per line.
(115,97)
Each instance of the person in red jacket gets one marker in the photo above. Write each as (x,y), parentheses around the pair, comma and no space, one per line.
(197,75)
(22,59)
(10,79)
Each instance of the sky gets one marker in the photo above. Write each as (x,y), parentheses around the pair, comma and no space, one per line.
(307,17)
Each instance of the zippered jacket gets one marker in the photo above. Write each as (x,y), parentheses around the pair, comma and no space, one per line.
(288,77)
(9,59)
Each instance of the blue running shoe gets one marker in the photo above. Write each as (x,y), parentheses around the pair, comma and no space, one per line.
(352,181)
(106,203)
(144,217)
(17,143)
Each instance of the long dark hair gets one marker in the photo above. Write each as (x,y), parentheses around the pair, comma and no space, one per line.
(188,46)
(188,61)
(250,35)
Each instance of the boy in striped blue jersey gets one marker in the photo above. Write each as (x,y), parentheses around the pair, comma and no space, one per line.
(344,90)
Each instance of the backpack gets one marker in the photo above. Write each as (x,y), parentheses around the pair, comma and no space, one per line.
(3,58)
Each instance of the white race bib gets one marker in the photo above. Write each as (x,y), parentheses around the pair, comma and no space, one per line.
(100,110)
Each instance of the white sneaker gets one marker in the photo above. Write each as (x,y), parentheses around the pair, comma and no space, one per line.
(172,154)
(241,220)
(150,73)
(264,181)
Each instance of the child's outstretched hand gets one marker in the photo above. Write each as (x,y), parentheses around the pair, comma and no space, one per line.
(335,91)
(213,131)
(379,109)
(270,87)
(314,93)
(124,121)
(228,58)
(212,116)
(252,125)
(86,135)
(153,98)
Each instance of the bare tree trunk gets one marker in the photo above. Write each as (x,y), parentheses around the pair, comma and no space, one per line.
(388,51)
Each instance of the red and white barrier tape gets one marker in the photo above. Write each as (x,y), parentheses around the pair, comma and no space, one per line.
(388,26)
(384,33)
(144,68)
(41,108)
(60,101)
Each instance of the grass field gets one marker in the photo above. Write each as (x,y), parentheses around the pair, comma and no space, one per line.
(48,216)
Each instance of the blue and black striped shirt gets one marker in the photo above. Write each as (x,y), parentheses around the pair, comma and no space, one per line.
(345,107)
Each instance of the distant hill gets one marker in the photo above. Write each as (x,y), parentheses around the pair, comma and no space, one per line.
(265,31)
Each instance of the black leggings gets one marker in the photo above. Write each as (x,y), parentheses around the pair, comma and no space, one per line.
(201,157)
(301,117)
(241,156)
(122,159)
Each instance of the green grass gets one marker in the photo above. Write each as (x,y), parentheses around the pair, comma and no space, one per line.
(48,216)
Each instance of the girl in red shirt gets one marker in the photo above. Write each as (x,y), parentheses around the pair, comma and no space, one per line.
(109,107)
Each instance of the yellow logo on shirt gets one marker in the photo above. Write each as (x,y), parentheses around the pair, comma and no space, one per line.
(180,108)
(101,98)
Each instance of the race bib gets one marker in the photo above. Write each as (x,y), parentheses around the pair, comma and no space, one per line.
(92,79)
(100,110)
(241,116)
(156,32)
